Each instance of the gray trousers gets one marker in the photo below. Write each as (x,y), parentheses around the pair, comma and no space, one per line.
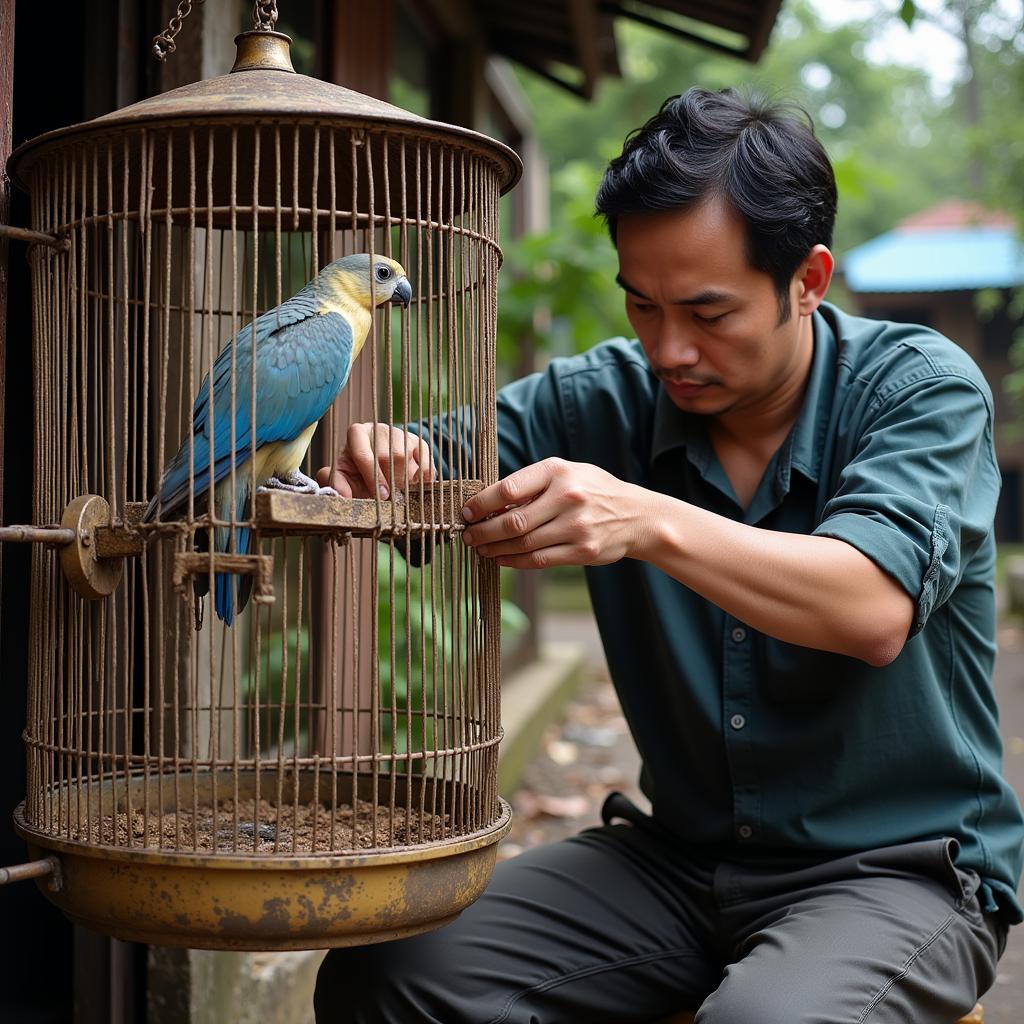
(618,924)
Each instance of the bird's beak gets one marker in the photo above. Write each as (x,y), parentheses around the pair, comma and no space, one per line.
(402,292)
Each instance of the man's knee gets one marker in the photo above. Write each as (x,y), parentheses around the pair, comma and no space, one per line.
(735,1002)
(387,983)
(358,985)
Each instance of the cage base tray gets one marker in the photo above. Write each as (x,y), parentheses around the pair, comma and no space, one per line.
(267,902)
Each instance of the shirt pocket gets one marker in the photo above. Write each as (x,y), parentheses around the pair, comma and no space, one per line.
(794,674)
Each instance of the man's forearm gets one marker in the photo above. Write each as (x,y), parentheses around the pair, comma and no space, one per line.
(814,591)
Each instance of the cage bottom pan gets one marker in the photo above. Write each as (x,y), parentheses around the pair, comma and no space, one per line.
(242,900)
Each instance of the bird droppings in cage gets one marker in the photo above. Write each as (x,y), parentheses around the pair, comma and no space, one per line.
(298,829)
(361,679)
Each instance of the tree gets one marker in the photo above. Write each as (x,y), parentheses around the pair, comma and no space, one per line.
(891,140)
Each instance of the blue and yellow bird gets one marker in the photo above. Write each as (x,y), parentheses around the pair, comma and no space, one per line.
(303,352)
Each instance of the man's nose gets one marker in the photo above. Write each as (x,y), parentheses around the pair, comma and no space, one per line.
(676,347)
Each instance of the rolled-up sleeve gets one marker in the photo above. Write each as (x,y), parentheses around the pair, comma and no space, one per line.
(919,493)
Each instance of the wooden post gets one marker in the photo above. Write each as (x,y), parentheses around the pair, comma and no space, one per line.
(6,108)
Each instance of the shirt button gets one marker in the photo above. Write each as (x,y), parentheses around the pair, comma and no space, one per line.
(737,721)
(739,634)
(744,831)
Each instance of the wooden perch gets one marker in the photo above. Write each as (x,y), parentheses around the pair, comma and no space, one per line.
(276,512)
(439,510)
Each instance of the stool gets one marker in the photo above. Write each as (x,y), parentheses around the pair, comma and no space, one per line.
(976,1016)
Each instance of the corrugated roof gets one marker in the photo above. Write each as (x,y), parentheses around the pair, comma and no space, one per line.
(936,260)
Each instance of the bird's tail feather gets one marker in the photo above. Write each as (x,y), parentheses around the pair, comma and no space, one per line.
(224,598)
(232,590)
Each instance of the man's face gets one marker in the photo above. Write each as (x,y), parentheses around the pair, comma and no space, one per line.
(708,321)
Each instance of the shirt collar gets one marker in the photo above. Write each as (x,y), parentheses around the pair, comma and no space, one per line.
(674,428)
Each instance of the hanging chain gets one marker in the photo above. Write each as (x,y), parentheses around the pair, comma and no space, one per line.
(163,44)
(264,13)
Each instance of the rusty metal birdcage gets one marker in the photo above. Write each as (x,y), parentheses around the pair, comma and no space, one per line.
(323,771)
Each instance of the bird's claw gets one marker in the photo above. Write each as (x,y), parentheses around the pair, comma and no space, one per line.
(299,484)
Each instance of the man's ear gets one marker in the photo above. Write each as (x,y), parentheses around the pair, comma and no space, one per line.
(813,278)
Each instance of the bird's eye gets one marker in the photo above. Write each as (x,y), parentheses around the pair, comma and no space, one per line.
(382,272)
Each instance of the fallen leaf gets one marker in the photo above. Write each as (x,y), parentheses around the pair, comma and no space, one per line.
(563,752)
(563,806)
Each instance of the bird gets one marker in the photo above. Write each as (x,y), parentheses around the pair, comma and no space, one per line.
(303,351)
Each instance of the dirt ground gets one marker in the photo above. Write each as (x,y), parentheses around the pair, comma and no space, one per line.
(589,752)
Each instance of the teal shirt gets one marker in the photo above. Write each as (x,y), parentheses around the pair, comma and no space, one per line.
(760,750)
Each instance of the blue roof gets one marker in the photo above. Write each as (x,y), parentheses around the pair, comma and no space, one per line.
(936,260)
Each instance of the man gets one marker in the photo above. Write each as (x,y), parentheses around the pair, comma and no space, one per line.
(786,517)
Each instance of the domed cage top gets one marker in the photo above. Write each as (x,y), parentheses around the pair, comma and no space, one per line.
(349,715)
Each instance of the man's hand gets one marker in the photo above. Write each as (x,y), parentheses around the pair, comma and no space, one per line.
(358,469)
(557,513)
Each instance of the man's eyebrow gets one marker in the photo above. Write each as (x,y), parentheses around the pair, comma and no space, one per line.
(708,297)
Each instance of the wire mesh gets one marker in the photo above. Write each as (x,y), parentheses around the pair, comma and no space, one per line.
(354,704)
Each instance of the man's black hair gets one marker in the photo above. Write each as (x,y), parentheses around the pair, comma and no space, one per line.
(762,158)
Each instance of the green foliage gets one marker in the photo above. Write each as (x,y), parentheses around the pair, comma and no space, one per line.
(556,283)
(893,144)
(405,676)
(421,650)
(284,661)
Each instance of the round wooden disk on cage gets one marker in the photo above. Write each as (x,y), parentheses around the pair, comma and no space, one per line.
(279,728)
(91,576)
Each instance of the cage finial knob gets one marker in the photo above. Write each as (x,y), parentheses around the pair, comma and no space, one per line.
(263,51)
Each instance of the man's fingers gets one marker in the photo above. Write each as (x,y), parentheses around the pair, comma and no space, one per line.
(511,525)
(542,558)
(338,476)
(374,453)
(550,534)
(424,459)
(519,488)
(341,483)
(360,450)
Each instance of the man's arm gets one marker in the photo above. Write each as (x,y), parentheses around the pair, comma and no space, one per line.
(912,502)
(530,427)
(815,591)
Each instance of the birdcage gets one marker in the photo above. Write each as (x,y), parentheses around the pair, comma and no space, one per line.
(323,770)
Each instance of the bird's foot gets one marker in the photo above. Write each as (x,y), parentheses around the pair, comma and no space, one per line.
(308,485)
(297,482)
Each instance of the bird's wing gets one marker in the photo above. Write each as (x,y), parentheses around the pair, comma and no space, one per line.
(303,358)
(298,309)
